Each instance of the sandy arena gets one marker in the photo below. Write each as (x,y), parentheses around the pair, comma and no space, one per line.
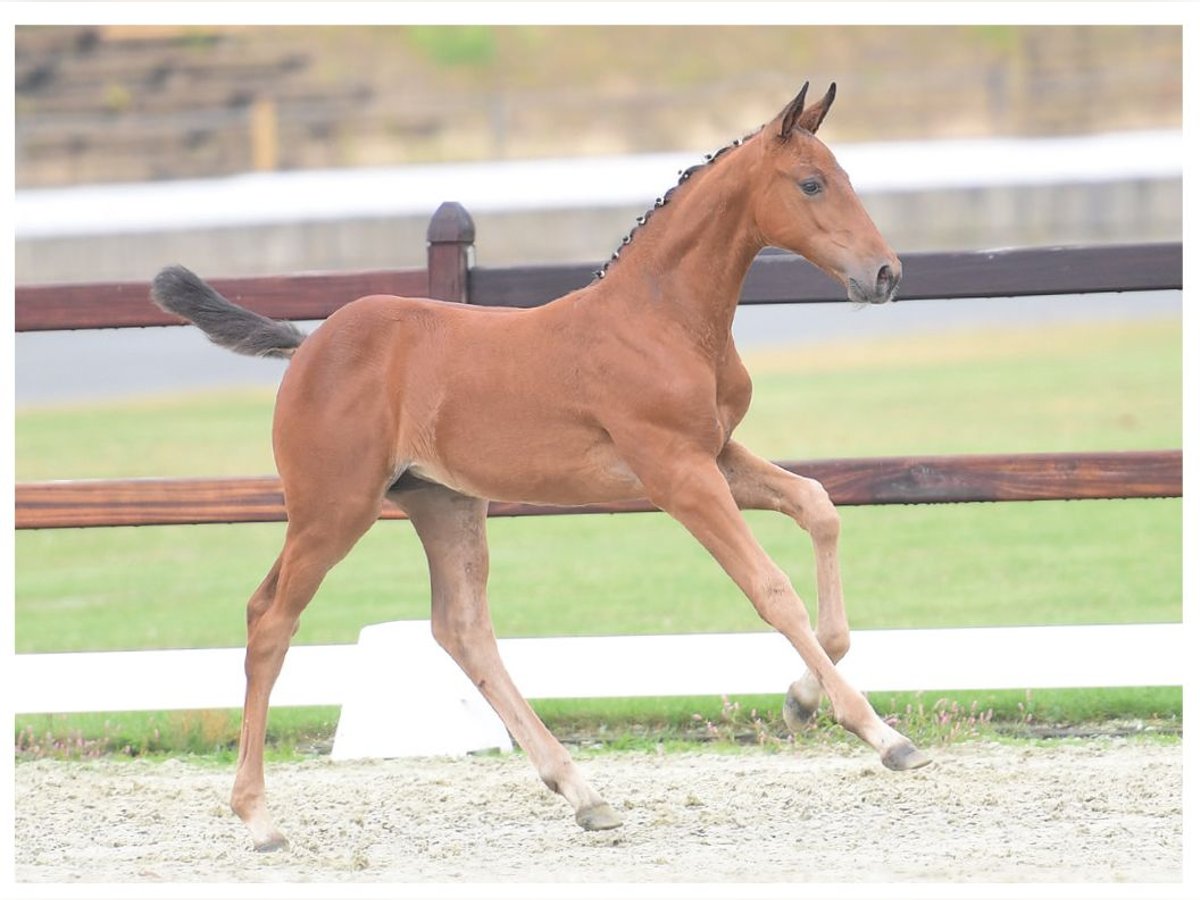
(1103,810)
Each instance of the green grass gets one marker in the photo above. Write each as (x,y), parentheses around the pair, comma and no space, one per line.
(1056,388)
(210,433)
(921,567)
(204,733)
(671,723)
(1095,387)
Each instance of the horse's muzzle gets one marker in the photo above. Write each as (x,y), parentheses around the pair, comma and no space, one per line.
(882,290)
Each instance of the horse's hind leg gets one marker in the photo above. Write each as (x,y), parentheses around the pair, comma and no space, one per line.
(452,529)
(318,535)
(759,484)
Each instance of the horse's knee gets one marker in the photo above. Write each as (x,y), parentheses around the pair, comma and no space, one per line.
(777,603)
(818,516)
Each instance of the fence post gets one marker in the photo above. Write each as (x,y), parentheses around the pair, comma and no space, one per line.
(451,242)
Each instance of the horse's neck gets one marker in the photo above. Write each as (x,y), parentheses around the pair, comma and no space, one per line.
(688,262)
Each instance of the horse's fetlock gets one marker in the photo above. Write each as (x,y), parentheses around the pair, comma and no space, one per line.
(550,778)
(557,774)
(244,804)
(853,713)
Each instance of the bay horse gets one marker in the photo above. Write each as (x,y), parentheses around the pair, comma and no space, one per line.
(628,388)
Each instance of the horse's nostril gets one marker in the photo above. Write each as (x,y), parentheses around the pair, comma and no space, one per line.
(885,281)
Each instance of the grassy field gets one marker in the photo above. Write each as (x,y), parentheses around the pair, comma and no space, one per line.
(1093,387)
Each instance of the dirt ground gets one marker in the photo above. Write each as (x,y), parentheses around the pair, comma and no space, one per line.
(1098,811)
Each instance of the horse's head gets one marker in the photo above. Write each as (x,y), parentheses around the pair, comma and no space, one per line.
(806,205)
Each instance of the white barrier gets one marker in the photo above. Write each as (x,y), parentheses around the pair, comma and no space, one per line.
(409,698)
(401,695)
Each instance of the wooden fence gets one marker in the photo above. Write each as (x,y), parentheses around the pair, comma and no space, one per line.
(774,278)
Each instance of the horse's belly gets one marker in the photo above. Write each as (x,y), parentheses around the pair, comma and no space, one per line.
(534,474)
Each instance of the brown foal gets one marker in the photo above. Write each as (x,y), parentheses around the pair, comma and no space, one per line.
(628,388)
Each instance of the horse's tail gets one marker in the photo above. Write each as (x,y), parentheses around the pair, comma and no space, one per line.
(228,325)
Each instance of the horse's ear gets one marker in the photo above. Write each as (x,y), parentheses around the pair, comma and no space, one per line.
(792,113)
(811,118)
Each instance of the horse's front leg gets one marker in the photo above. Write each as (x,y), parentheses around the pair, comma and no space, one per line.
(693,490)
(757,483)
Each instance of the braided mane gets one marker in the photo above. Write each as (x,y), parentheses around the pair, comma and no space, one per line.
(709,159)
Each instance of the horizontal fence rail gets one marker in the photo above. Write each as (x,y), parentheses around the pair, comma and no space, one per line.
(850,482)
(785,278)
(126,304)
(773,278)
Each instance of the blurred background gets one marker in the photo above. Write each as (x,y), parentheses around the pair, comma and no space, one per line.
(134,103)
(243,150)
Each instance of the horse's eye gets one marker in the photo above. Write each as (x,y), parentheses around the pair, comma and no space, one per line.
(811,187)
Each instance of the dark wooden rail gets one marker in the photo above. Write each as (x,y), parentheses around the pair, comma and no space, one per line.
(126,304)
(850,482)
(784,278)
(774,278)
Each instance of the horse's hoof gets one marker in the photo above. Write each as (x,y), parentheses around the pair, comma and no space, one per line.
(795,714)
(600,817)
(904,757)
(273,842)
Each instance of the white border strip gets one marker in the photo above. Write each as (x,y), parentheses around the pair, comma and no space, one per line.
(628,666)
(567,183)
